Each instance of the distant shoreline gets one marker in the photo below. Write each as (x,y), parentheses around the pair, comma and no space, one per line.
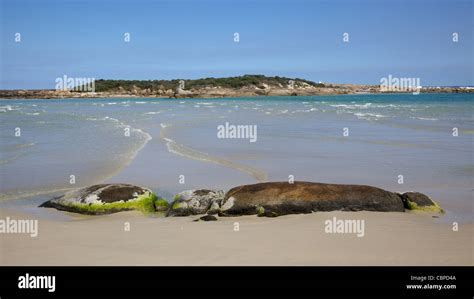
(230,87)
(51,94)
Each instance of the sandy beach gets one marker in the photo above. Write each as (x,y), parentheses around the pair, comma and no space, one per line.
(396,239)
(250,148)
(390,136)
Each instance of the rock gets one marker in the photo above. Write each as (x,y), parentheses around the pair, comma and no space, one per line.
(206,218)
(105,199)
(280,198)
(418,198)
(419,201)
(215,206)
(181,93)
(261,212)
(161,205)
(195,202)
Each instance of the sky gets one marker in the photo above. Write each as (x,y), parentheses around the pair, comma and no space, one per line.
(190,39)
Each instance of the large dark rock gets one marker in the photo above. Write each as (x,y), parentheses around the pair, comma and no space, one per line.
(196,202)
(105,199)
(419,198)
(419,201)
(280,198)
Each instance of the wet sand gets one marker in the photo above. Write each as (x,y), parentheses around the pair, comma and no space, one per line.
(390,239)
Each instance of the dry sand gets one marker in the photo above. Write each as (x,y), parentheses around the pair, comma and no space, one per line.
(390,239)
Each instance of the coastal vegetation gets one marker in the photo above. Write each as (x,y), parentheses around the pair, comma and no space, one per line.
(228,87)
(258,81)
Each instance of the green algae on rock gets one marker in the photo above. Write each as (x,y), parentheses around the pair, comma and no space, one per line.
(420,202)
(106,199)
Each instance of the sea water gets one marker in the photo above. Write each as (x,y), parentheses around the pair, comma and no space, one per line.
(400,142)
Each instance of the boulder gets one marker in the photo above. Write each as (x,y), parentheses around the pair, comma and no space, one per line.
(419,201)
(206,218)
(195,202)
(280,198)
(105,199)
(415,197)
(215,205)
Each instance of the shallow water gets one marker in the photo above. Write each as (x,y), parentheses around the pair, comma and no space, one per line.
(389,135)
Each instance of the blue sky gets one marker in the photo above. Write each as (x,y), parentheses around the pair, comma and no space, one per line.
(193,39)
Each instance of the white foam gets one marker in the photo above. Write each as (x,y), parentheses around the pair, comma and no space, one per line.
(426,118)
(184,151)
(9,108)
(111,118)
(369,116)
(153,112)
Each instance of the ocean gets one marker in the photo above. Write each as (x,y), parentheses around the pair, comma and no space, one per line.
(399,142)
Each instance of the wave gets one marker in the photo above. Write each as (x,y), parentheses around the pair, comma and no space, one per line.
(184,151)
(153,112)
(369,116)
(12,159)
(353,106)
(370,105)
(27,194)
(305,110)
(25,145)
(147,137)
(18,154)
(9,108)
(144,138)
(142,134)
(425,118)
